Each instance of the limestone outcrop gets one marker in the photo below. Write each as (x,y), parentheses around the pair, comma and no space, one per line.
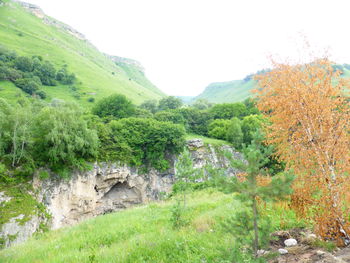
(104,189)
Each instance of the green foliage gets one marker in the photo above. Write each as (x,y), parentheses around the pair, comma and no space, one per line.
(116,106)
(202,104)
(234,133)
(24,64)
(250,125)
(62,138)
(250,105)
(169,103)
(29,74)
(228,110)
(150,105)
(21,202)
(144,234)
(142,141)
(196,120)
(177,215)
(218,129)
(16,132)
(256,156)
(327,245)
(171,116)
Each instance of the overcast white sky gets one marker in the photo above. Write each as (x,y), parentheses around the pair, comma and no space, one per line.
(187,44)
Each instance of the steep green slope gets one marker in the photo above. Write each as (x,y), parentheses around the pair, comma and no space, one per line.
(26,30)
(231,91)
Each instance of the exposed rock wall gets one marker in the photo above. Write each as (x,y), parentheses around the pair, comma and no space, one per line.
(106,188)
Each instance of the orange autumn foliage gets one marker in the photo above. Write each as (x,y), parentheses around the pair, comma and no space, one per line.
(309,125)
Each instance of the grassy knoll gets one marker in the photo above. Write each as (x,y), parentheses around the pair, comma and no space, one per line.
(144,234)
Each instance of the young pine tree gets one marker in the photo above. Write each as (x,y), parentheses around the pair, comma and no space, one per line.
(185,175)
(247,226)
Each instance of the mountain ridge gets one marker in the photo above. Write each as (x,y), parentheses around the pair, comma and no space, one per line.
(26,29)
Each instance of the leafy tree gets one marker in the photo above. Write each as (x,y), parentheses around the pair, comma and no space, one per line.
(24,64)
(185,174)
(62,138)
(16,131)
(247,225)
(251,106)
(46,72)
(234,133)
(150,105)
(196,120)
(250,124)
(309,123)
(7,55)
(202,104)
(170,103)
(172,116)
(147,141)
(228,110)
(142,113)
(116,106)
(28,85)
(218,129)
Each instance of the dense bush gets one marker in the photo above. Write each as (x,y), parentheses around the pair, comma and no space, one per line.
(250,124)
(196,120)
(172,116)
(143,141)
(116,106)
(234,133)
(228,110)
(62,138)
(150,105)
(169,103)
(218,129)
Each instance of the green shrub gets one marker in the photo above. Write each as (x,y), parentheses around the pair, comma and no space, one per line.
(116,106)
(169,103)
(228,110)
(196,120)
(62,138)
(234,133)
(218,129)
(144,141)
(171,116)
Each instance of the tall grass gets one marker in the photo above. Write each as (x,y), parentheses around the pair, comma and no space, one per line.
(141,234)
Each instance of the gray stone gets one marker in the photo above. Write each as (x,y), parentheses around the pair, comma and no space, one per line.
(282,251)
(290,242)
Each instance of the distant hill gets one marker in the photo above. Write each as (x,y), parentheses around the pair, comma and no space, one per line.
(186,99)
(231,91)
(24,28)
(239,90)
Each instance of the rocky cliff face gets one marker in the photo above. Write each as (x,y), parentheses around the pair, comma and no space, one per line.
(38,12)
(106,188)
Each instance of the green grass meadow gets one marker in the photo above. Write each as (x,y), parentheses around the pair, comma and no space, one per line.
(144,234)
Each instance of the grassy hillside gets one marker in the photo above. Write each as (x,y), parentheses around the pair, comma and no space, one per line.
(144,234)
(239,90)
(97,74)
(231,91)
